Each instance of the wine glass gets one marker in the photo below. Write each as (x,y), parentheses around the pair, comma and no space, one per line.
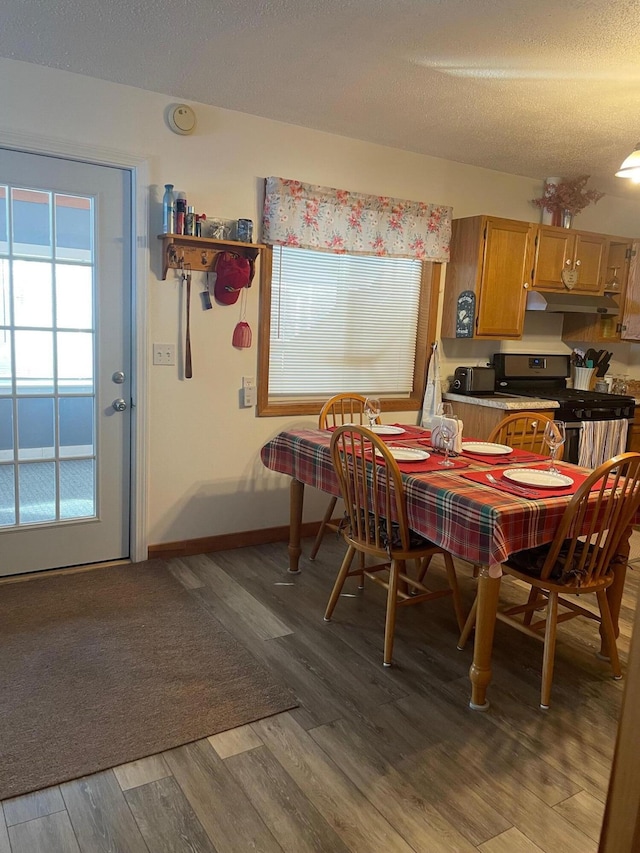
(448,432)
(614,281)
(554,437)
(372,409)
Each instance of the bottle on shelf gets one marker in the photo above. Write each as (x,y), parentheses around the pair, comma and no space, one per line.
(181,212)
(168,210)
(200,218)
(190,221)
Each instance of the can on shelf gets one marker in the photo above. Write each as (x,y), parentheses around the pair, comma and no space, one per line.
(245,231)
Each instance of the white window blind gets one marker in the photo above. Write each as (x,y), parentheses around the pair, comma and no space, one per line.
(342,323)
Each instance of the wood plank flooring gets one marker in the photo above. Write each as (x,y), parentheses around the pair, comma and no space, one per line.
(374,759)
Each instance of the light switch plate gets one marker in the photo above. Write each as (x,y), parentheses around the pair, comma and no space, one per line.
(164,353)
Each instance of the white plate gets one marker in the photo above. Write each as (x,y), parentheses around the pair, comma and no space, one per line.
(383,429)
(534,477)
(406,454)
(486,448)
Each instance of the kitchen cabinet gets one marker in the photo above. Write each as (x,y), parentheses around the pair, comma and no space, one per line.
(479,417)
(633,439)
(490,269)
(630,321)
(198,253)
(594,328)
(563,253)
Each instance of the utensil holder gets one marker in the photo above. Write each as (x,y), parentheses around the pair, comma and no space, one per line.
(582,377)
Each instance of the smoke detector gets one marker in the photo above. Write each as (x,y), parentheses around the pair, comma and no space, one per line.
(181,119)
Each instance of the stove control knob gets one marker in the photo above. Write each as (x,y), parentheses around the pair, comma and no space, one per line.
(580,413)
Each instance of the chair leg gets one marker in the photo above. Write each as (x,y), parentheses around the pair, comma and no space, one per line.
(337,587)
(609,633)
(453,583)
(426,562)
(323,526)
(468,625)
(549,649)
(392,605)
(533,597)
(363,562)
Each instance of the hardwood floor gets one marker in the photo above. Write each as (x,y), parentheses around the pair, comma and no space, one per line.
(374,759)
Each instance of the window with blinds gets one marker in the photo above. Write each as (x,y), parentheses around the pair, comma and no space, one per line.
(342,323)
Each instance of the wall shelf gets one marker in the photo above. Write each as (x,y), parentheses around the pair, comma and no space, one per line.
(198,253)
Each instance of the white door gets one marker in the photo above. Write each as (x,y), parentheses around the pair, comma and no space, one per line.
(65,362)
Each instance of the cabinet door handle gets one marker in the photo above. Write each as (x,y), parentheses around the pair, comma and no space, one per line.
(578,262)
(526,285)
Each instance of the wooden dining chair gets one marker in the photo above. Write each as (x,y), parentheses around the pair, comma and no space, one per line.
(524,430)
(580,560)
(375,500)
(338,410)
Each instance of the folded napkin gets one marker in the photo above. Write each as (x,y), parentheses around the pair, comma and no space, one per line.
(534,493)
(436,433)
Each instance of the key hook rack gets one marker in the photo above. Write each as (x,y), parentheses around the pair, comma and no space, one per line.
(199,253)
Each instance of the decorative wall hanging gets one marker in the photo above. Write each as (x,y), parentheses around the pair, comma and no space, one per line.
(307,216)
(465,314)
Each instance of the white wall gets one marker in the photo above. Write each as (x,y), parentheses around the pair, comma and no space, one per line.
(205,475)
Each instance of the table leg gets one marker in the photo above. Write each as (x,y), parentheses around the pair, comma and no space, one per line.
(480,671)
(296,498)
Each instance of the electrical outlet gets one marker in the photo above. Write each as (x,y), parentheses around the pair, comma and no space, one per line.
(164,353)
(248,392)
(249,397)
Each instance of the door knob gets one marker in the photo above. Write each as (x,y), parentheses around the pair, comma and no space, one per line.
(119,405)
(118,377)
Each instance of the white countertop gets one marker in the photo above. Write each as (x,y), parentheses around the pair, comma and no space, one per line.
(508,404)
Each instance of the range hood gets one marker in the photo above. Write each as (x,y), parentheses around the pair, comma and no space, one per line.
(571,303)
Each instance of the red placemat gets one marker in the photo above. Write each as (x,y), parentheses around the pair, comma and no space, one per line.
(517,456)
(536,494)
(410,433)
(420,466)
(431,464)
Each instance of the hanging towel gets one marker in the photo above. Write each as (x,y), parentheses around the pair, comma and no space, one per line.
(433,391)
(600,440)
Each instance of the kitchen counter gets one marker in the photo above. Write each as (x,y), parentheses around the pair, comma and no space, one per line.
(507,404)
(480,415)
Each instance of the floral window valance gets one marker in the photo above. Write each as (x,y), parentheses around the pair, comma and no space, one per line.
(307,216)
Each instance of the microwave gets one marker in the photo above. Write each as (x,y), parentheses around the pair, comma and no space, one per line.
(474,380)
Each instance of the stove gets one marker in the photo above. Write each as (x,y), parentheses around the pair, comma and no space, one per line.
(544,376)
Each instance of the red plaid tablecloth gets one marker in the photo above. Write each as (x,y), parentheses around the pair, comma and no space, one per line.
(475,522)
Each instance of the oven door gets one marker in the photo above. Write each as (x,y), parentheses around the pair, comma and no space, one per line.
(572,442)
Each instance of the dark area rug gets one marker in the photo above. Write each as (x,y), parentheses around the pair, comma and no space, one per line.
(103,667)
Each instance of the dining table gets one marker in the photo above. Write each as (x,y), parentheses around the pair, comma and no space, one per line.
(459,509)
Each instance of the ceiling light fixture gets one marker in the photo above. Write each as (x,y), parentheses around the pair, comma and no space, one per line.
(631,166)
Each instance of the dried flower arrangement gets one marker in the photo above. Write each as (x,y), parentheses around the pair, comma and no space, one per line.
(570,195)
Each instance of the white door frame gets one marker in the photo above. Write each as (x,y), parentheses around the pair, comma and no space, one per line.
(139,168)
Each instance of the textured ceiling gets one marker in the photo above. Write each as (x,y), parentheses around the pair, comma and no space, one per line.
(534,89)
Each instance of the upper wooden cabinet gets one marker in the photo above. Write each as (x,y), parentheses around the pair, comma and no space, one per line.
(563,254)
(621,287)
(491,266)
(630,321)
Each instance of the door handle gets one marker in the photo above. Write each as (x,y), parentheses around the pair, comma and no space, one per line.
(119,405)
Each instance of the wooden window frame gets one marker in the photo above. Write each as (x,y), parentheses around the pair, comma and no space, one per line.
(425,335)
